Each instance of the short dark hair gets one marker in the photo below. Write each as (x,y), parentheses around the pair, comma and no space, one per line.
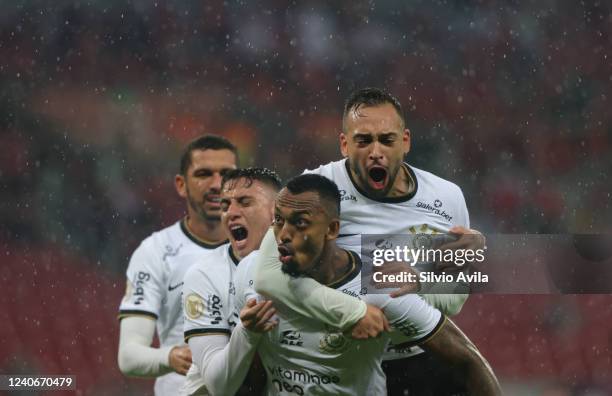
(326,188)
(205,142)
(264,175)
(368,97)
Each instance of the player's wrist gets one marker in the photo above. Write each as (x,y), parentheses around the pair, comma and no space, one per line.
(165,355)
(252,336)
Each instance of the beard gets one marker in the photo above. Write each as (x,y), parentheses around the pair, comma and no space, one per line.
(291,269)
(198,207)
(364,178)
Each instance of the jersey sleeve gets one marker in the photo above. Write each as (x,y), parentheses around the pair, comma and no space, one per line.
(203,311)
(145,283)
(463,218)
(414,319)
(303,295)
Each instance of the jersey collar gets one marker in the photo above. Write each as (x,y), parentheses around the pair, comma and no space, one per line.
(402,198)
(232,255)
(355,269)
(196,240)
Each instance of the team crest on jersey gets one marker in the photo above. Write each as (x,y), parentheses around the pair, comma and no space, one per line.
(194,306)
(333,341)
(422,241)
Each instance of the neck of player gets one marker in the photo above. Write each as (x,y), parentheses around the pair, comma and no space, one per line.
(403,184)
(333,265)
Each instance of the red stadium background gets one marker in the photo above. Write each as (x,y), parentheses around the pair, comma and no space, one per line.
(510,101)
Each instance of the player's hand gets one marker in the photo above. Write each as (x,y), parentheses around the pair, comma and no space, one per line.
(399,268)
(467,239)
(371,325)
(180,359)
(256,316)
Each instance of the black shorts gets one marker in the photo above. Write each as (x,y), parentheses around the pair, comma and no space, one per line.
(421,375)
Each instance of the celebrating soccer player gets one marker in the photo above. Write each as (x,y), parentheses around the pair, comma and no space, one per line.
(155,274)
(380,194)
(303,355)
(247,203)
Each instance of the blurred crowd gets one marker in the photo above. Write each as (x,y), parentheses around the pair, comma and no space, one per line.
(507,99)
(510,101)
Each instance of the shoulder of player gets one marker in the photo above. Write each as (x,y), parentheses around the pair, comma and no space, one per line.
(441,185)
(211,260)
(158,240)
(207,265)
(328,170)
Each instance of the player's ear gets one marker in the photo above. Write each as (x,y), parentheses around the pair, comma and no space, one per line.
(343,144)
(406,140)
(333,229)
(179,184)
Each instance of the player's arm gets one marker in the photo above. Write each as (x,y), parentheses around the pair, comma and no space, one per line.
(304,295)
(223,364)
(451,304)
(138,316)
(421,324)
(136,357)
(221,361)
(468,365)
(445,296)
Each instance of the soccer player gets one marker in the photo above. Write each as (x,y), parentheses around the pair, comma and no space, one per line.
(303,355)
(152,301)
(380,194)
(247,204)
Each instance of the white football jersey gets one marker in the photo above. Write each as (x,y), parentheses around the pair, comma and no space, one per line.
(208,302)
(303,356)
(155,282)
(433,207)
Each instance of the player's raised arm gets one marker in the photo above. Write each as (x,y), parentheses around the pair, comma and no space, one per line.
(305,295)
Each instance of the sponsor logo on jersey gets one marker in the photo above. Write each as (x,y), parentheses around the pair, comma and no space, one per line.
(333,341)
(282,378)
(141,278)
(406,328)
(194,306)
(435,209)
(350,292)
(291,337)
(344,196)
(171,287)
(232,288)
(215,306)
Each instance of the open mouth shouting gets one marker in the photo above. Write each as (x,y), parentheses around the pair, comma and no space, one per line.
(239,234)
(378,177)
